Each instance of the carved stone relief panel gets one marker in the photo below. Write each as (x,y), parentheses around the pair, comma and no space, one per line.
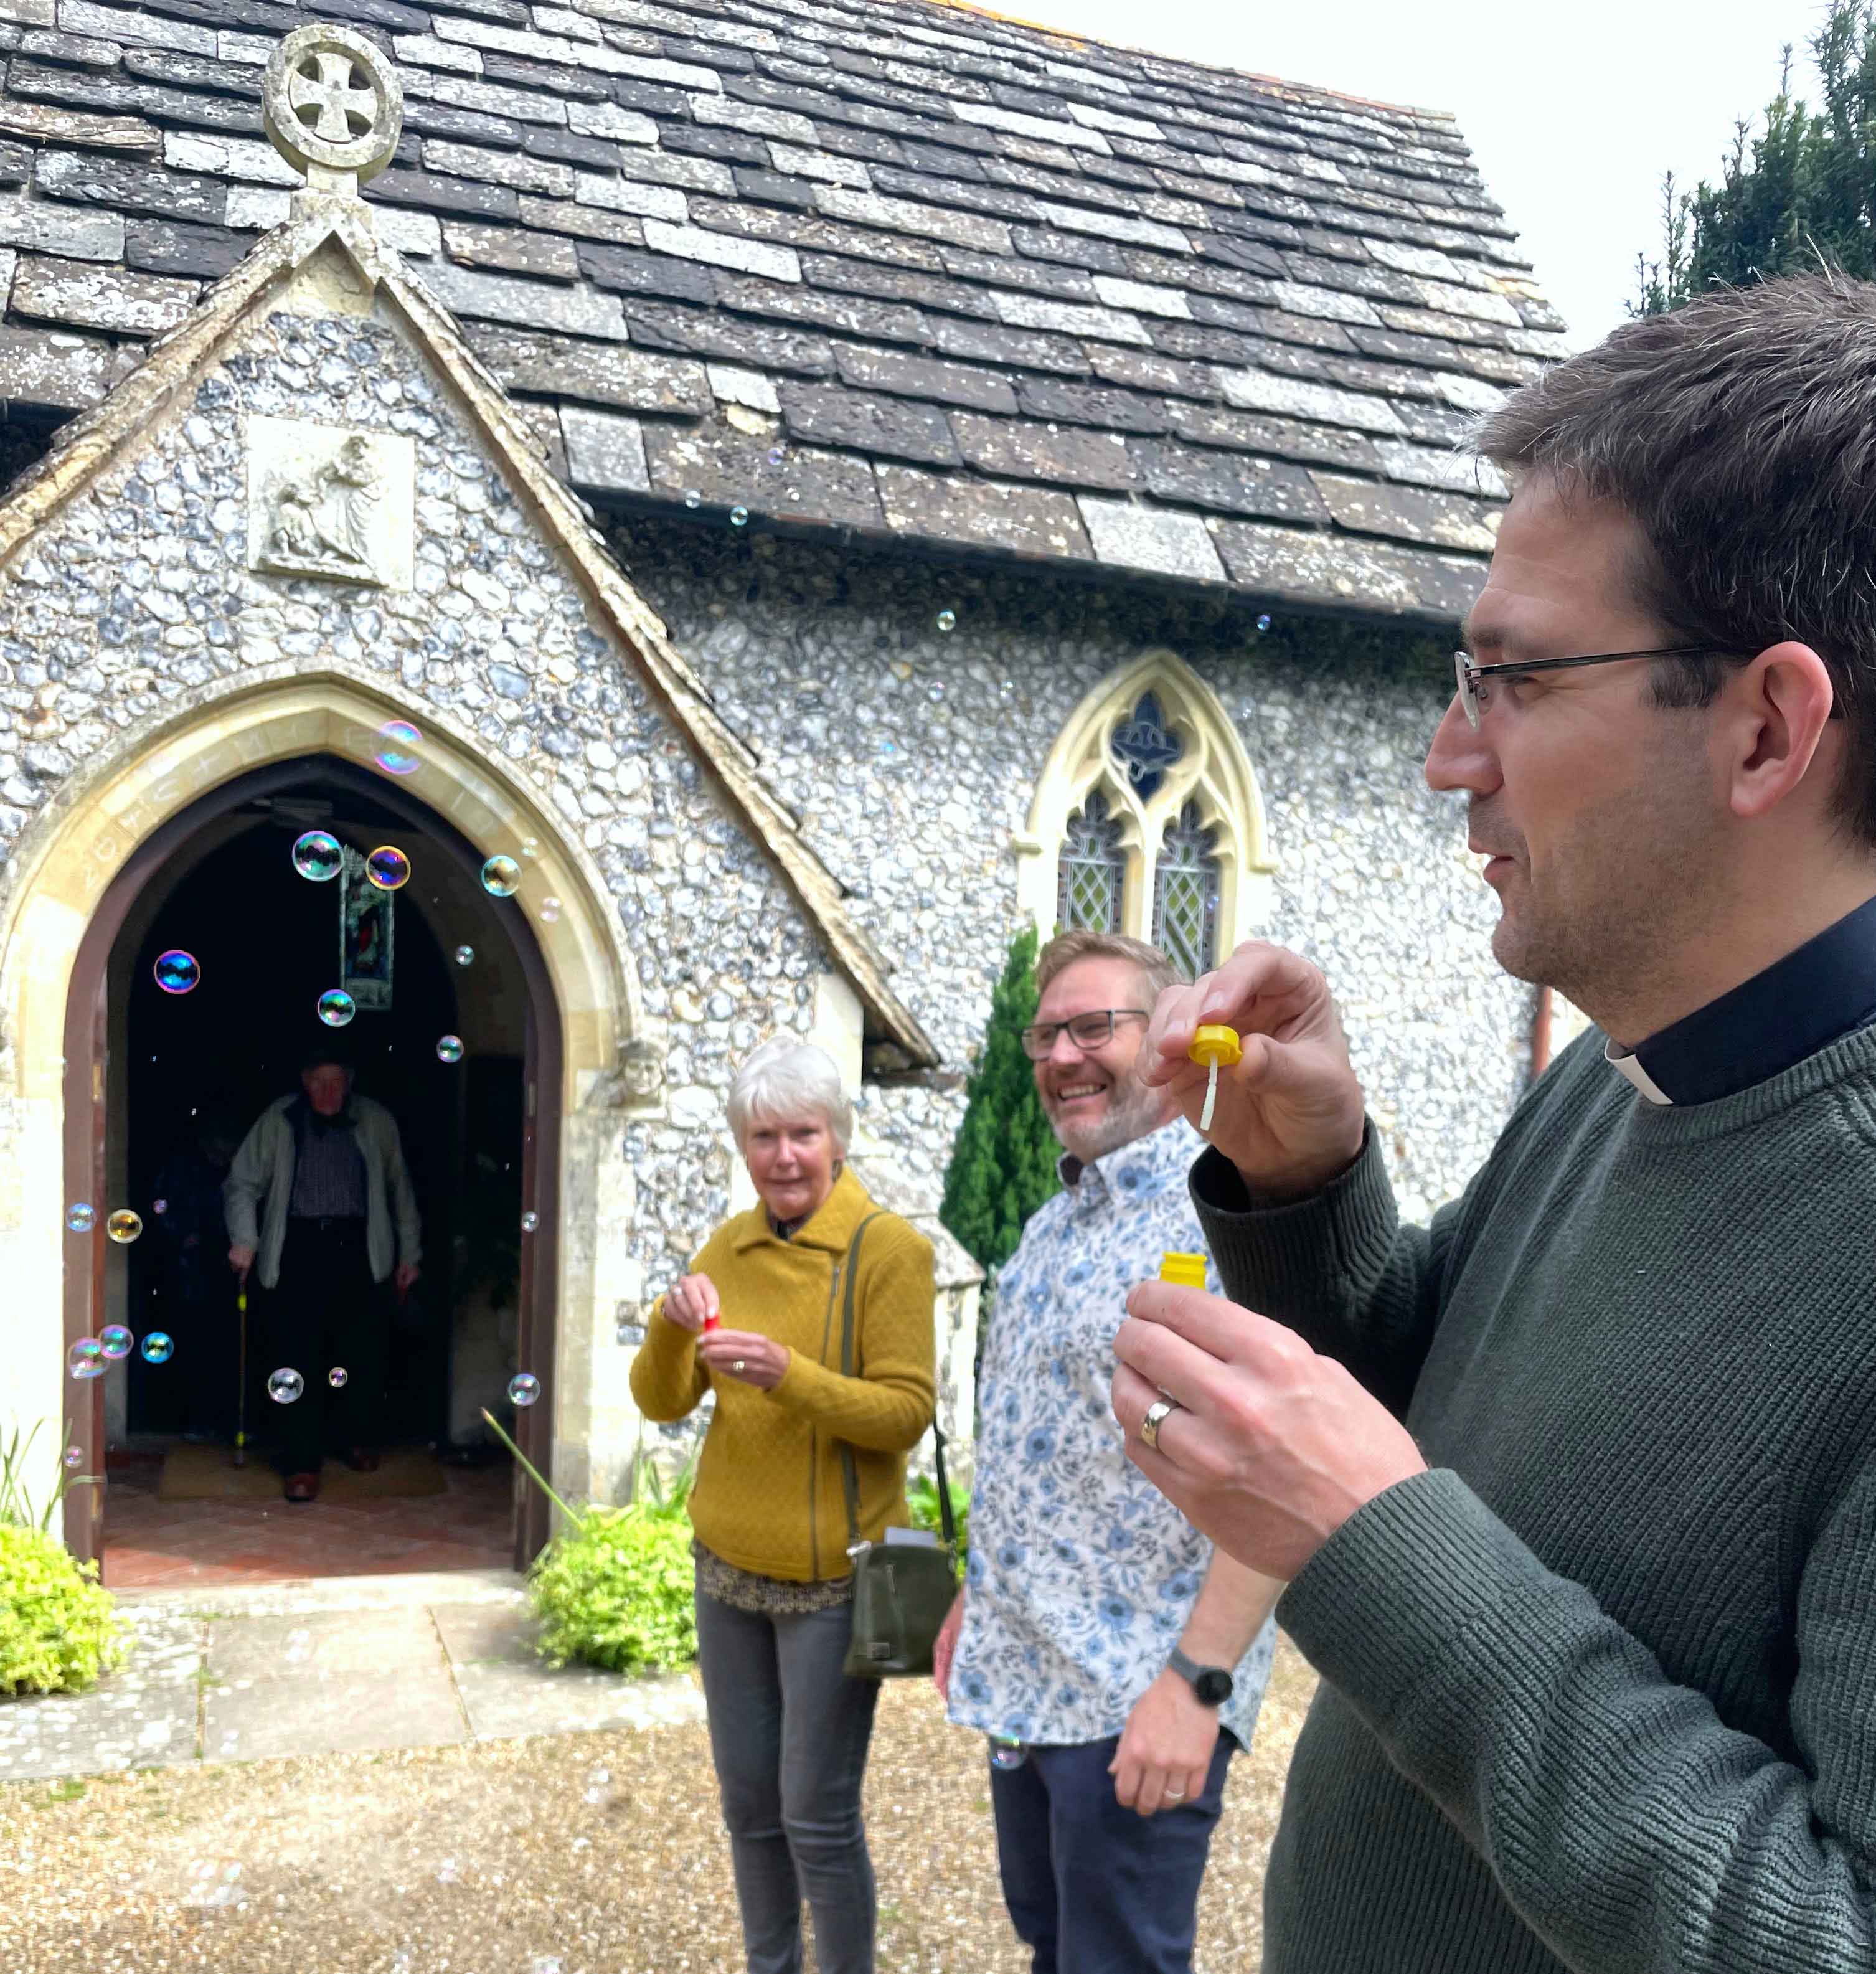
(325,501)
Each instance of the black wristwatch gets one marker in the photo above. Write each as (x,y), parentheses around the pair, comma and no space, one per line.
(1211,1684)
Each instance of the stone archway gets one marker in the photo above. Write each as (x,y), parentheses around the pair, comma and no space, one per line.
(78,868)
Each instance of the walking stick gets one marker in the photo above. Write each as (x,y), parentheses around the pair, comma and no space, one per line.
(240,1390)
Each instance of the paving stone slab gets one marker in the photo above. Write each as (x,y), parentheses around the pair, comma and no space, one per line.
(505,1701)
(303,1713)
(322,1644)
(146,1713)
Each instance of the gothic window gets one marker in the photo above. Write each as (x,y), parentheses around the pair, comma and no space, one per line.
(1146,747)
(1092,868)
(1185,893)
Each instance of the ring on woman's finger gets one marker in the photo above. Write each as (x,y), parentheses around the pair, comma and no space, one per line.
(738,1366)
(1176,1795)
(1157,1414)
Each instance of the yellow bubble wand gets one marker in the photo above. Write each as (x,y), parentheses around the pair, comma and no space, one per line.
(1212,1044)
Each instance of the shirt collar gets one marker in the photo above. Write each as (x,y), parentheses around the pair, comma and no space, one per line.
(1764,1025)
(1166,1142)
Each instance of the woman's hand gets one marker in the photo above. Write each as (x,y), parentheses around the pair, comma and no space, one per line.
(690,1302)
(745,1357)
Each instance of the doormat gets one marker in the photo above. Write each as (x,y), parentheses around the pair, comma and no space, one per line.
(208,1473)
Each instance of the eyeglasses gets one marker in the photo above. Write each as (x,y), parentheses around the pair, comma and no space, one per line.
(1475,702)
(1086,1031)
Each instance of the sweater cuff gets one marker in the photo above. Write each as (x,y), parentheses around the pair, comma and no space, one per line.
(1283,1252)
(1382,1610)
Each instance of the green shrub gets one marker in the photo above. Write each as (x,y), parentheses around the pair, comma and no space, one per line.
(58,1628)
(922,1499)
(615,1591)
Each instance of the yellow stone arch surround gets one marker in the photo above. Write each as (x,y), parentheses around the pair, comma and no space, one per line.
(66,859)
(1215,772)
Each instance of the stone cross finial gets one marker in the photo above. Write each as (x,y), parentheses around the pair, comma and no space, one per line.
(333,106)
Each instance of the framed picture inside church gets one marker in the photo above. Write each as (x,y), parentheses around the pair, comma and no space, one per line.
(367,926)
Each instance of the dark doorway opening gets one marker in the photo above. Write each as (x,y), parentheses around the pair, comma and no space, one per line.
(174,1081)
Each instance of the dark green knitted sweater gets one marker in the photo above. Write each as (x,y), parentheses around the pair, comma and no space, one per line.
(1598,1691)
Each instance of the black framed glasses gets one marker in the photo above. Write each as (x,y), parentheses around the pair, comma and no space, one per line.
(1086,1031)
(1470,674)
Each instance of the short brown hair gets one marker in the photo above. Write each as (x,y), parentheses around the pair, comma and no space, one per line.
(1157,971)
(1739,431)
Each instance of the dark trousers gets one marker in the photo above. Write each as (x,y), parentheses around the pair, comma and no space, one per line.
(788,1733)
(1093,1888)
(326,1311)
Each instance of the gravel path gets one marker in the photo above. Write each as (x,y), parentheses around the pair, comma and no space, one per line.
(596,1853)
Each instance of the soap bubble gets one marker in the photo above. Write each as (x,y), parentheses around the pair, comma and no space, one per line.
(123,1226)
(935,691)
(159,1206)
(739,517)
(74,1457)
(1264,624)
(86,1358)
(388,868)
(80,1217)
(501,876)
(337,1376)
(947,620)
(529,1220)
(337,1007)
(524,1387)
(1005,1753)
(692,499)
(283,1386)
(177,972)
(530,847)
(398,743)
(158,1347)
(317,855)
(465,956)
(777,454)
(550,910)
(449,1048)
(116,1341)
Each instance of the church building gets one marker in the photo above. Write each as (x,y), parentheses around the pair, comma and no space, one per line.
(567,540)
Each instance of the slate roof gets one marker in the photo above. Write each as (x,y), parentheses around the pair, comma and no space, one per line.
(887,265)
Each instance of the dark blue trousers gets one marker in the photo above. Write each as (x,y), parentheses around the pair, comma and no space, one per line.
(1093,1888)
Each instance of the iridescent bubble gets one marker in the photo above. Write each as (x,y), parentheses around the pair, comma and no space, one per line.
(337,1376)
(177,972)
(116,1341)
(465,956)
(283,1386)
(398,743)
(159,1206)
(550,910)
(1005,1753)
(74,1457)
(947,620)
(158,1347)
(530,847)
(337,1007)
(739,517)
(935,691)
(529,1220)
(777,454)
(317,855)
(86,1358)
(388,868)
(123,1226)
(524,1387)
(80,1217)
(1264,624)
(449,1048)
(501,876)
(692,499)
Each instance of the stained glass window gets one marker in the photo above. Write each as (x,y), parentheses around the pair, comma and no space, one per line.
(1186,894)
(1145,746)
(1093,863)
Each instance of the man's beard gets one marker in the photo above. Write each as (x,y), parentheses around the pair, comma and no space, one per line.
(1133,1110)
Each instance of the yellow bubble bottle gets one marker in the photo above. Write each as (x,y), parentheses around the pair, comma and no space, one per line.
(1212,1044)
(1188,1271)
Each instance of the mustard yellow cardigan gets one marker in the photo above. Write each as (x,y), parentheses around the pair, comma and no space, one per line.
(769,1495)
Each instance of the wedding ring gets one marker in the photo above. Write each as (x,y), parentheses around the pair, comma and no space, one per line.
(738,1366)
(1157,1414)
(1176,1795)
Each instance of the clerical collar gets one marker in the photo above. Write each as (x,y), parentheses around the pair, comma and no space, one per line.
(1764,1025)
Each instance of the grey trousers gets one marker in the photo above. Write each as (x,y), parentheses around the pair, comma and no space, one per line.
(789,1734)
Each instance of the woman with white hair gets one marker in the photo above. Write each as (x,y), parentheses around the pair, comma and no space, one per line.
(759,1321)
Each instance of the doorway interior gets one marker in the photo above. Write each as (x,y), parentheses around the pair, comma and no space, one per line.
(448,989)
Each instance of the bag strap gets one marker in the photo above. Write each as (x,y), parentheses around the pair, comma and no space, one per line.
(850,1479)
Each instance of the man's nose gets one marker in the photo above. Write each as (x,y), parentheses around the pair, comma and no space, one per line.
(1461,758)
(1064,1049)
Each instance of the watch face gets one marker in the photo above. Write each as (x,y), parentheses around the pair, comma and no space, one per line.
(1212,1687)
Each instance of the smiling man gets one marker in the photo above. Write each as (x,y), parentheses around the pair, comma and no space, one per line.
(1575,1489)
(1114,1660)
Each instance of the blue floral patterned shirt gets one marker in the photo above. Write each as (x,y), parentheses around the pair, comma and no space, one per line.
(1082,1575)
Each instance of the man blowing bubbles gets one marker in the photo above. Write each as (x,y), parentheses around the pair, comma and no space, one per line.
(1575,1490)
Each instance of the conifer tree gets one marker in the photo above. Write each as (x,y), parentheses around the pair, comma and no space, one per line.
(1003,1162)
(1798,196)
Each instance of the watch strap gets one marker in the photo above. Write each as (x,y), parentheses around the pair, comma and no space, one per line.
(1189,1670)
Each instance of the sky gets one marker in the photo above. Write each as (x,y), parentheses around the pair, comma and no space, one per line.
(1572,112)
